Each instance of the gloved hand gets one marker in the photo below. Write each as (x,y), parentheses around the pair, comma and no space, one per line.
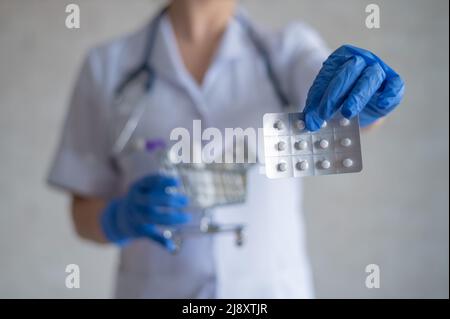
(146,205)
(355,81)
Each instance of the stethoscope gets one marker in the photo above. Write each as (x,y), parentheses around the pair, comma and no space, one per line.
(146,70)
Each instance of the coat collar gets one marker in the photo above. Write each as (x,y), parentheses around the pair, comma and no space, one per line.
(167,61)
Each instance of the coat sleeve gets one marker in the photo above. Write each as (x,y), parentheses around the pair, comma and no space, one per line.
(82,163)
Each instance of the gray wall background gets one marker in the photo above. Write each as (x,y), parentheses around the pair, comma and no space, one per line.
(394,214)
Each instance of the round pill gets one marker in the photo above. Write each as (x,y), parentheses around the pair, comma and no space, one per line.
(326,164)
(167,234)
(346,142)
(302,165)
(324,143)
(324,124)
(300,124)
(301,145)
(282,167)
(347,163)
(281,146)
(278,125)
(344,122)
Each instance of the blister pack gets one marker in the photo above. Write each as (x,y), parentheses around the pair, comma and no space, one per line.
(293,151)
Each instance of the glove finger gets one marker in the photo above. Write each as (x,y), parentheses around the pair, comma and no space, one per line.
(391,93)
(152,182)
(163,181)
(161,216)
(146,203)
(369,82)
(154,234)
(351,50)
(323,79)
(335,93)
(175,200)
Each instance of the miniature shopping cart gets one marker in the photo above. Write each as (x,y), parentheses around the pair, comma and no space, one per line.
(207,186)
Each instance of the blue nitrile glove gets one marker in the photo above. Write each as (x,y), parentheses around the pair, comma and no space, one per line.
(146,205)
(356,81)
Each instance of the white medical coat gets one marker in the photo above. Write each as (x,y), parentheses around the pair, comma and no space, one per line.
(236,92)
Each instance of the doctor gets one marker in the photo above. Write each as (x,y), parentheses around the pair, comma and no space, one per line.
(207,61)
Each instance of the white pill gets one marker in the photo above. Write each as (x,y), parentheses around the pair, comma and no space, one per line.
(300,124)
(324,143)
(282,167)
(278,125)
(167,234)
(344,122)
(347,163)
(346,142)
(325,164)
(302,165)
(301,145)
(281,146)
(324,124)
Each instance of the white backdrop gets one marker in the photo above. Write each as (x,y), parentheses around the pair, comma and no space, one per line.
(394,214)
